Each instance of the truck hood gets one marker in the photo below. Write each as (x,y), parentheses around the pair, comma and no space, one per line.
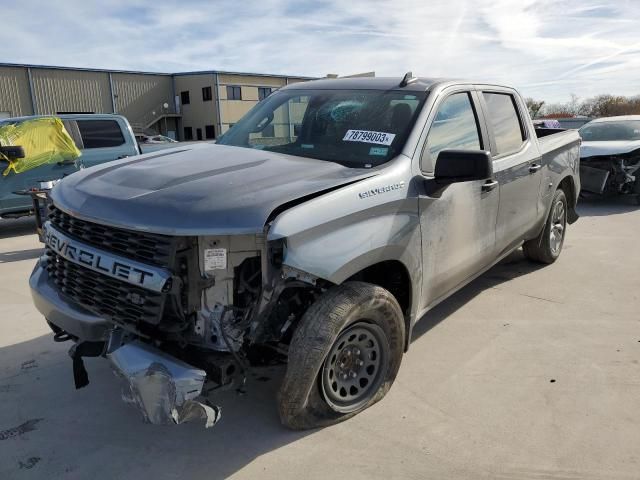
(614,147)
(202,189)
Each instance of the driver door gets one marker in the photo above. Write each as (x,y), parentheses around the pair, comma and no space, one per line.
(459,227)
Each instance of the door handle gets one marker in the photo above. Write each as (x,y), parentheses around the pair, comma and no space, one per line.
(489,185)
(534,167)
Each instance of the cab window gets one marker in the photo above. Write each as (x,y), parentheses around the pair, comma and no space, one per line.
(503,116)
(455,126)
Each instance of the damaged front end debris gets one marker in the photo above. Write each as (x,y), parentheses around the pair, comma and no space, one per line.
(163,388)
(611,174)
(232,305)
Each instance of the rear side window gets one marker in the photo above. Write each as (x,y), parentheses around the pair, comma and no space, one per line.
(503,116)
(455,127)
(100,133)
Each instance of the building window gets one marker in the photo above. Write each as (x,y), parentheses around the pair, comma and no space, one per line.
(188,133)
(100,133)
(234,93)
(206,94)
(264,92)
(209,132)
(184,98)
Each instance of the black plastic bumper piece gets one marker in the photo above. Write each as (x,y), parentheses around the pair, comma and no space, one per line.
(76,321)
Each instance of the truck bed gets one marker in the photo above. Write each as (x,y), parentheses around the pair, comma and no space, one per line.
(551,139)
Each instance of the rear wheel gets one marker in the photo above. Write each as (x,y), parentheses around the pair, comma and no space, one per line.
(636,190)
(343,357)
(547,246)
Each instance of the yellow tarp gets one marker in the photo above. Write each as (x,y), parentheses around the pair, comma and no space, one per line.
(44,140)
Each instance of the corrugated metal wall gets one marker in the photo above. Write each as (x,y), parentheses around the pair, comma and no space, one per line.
(14,91)
(137,95)
(71,91)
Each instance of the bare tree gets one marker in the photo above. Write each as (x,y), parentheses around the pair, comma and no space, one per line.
(534,106)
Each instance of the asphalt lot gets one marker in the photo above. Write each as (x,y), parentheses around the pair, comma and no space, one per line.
(527,373)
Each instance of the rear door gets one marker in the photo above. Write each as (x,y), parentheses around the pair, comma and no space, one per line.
(458,229)
(516,165)
(104,140)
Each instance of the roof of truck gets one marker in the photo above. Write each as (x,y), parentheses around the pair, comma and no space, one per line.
(367,83)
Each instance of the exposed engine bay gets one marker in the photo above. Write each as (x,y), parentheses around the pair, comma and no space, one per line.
(220,305)
(611,174)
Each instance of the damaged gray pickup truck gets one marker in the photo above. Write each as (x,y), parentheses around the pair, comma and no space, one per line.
(316,232)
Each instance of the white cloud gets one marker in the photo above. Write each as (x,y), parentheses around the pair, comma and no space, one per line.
(547,48)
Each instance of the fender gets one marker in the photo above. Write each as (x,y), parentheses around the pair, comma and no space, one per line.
(345,231)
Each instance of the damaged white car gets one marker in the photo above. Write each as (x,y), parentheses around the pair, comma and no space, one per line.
(610,156)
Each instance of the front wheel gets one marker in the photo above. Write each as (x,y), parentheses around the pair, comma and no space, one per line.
(343,356)
(547,246)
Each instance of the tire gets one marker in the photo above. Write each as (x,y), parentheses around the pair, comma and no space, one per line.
(355,334)
(546,248)
(636,190)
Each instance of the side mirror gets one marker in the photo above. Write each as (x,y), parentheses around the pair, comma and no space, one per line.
(12,152)
(455,166)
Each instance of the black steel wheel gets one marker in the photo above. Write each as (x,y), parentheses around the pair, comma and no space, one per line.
(354,367)
(344,356)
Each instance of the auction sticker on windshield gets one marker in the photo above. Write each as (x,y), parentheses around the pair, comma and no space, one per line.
(366,136)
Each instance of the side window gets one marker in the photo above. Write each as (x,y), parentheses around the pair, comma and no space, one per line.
(454,127)
(100,133)
(503,116)
(264,92)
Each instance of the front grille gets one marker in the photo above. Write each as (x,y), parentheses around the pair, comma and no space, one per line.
(145,247)
(110,298)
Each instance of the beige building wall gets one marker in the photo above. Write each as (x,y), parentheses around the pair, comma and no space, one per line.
(71,91)
(198,113)
(138,96)
(15,100)
(234,110)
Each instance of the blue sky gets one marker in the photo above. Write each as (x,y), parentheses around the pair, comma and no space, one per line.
(548,49)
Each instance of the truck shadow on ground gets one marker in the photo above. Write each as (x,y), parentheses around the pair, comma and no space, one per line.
(513,266)
(18,255)
(73,432)
(594,206)
(97,427)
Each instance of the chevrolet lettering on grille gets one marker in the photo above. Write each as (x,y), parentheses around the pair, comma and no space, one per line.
(113,266)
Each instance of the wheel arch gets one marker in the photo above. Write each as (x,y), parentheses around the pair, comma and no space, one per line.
(393,276)
(568,186)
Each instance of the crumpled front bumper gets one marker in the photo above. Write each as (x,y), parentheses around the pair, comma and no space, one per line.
(162,387)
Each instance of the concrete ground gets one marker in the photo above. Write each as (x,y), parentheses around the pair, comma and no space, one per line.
(527,373)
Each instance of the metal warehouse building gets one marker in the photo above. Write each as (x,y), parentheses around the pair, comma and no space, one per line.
(185,106)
